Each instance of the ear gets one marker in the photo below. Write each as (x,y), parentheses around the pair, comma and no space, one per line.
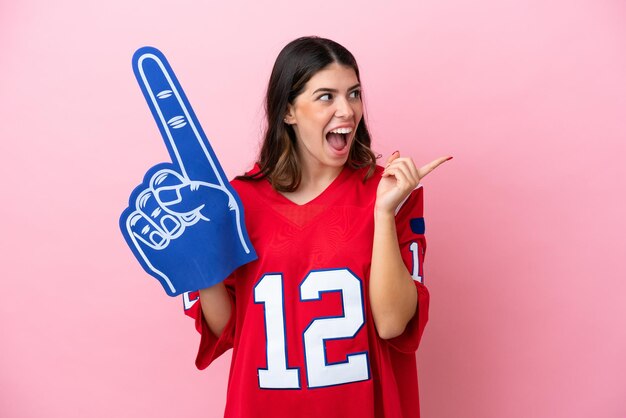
(290,118)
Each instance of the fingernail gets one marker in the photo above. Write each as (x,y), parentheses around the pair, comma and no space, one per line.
(395,152)
(169,224)
(168,196)
(157,239)
(449,158)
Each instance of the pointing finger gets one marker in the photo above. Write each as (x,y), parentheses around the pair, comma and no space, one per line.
(424,170)
(185,140)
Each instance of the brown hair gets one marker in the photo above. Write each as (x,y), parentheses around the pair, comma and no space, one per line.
(300,60)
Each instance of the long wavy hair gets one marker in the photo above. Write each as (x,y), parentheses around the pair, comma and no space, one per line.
(300,60)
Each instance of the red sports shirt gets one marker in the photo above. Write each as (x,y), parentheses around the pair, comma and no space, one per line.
(303,338)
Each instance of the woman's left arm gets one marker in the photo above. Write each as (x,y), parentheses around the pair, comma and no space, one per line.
(393,296)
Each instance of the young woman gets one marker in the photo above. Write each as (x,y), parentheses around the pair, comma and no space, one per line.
(326,322)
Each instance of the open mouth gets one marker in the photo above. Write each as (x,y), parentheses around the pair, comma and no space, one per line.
(338,138)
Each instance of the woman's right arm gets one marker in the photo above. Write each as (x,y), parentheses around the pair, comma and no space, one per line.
(216,307)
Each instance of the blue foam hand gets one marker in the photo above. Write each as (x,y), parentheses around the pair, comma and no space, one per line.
(185,222)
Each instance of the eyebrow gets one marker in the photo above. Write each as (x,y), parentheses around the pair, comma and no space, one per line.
(327,90)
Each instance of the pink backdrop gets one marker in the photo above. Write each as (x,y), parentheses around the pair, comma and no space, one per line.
(526,225)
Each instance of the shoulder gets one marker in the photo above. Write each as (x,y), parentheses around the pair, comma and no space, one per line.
(250,189)
(240,181)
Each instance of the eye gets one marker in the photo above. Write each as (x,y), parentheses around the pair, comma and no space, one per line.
(325,97)
(355,94)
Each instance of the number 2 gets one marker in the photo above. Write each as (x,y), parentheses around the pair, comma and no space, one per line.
(319,373)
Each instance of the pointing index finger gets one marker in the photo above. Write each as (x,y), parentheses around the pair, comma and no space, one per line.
(424,170)
(184,138)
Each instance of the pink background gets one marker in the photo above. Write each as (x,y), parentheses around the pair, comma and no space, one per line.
(526,225)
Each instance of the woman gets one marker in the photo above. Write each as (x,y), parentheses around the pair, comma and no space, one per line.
(326,322)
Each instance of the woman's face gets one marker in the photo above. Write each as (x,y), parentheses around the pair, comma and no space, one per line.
(325,117)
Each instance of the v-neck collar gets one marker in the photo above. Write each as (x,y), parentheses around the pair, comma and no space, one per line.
(324,197)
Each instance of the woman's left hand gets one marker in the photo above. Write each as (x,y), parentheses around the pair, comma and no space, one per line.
(400,178)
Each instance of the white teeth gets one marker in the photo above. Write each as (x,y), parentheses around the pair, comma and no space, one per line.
(341,131)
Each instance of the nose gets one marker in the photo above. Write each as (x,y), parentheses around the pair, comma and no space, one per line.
(344,109)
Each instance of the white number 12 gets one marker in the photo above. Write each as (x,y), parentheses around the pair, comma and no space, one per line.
(320,373)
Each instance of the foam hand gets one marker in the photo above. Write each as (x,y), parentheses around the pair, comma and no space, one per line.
(184,223)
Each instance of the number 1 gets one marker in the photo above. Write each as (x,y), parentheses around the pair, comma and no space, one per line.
(269,291)
(416,262)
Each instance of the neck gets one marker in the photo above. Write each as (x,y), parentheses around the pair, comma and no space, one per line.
(318,177)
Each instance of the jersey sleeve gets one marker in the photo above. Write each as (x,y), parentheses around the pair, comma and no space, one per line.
(410,227)
(211,347)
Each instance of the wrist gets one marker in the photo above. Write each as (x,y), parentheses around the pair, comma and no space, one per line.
(384,214)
